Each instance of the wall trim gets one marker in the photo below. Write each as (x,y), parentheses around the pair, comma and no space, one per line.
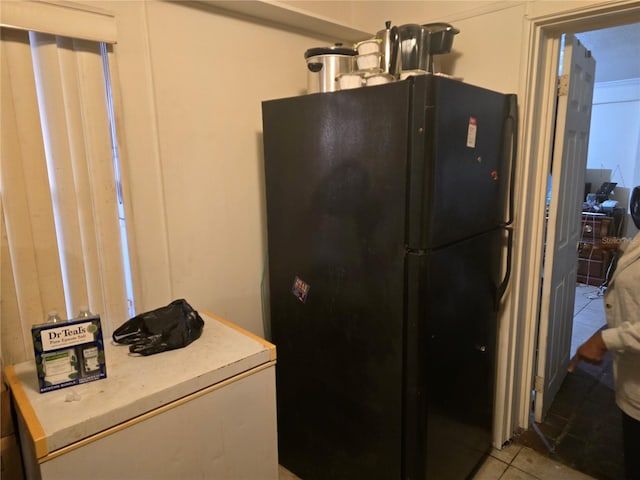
(69,19)
(617,91)
(287,16)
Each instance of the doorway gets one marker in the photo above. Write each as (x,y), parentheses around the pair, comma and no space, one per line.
(596,220)
(611,47)
(537,141)
(572,431)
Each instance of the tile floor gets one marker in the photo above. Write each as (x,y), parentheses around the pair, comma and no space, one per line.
(519,461)
(514,462)
(588,314)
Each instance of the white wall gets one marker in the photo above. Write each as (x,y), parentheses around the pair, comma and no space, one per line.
(614,138)
(615,131)
(192,81)
(488,51)
(370,16)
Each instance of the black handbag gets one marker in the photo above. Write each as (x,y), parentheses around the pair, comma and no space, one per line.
(166,328)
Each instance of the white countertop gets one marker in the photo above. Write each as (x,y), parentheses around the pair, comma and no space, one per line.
(136,385)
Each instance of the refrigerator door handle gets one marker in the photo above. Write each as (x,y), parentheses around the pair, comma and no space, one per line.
(512,119)
(507,274)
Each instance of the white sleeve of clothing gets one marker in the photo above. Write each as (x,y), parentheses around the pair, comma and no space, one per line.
(624,337)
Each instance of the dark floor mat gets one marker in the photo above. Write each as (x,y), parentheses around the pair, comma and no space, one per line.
(583,428)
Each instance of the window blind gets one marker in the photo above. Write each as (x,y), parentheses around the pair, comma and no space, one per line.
(58,187)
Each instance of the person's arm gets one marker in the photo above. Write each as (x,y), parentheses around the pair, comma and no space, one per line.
(590,351)
(625,337)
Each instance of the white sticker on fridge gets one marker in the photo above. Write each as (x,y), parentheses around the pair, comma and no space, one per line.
(471,132)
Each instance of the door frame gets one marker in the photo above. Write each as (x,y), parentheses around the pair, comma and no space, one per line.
(518,338)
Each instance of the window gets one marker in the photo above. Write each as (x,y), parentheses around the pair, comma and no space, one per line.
(64,241)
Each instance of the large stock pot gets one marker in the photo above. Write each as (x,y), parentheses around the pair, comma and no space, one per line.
(324,64)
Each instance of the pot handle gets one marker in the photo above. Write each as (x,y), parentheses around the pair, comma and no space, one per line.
(394,38)
(314,67)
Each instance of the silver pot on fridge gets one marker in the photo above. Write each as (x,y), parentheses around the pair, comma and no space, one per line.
(419,43)
(389,44)
(325,64)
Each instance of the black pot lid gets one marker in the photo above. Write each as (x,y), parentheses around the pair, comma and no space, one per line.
(440,27)
(336,49)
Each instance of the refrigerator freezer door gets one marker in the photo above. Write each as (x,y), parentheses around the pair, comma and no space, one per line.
(335,174)
(459,169)
(451,345)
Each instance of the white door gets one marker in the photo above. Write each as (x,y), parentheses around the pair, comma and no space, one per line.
(573,117)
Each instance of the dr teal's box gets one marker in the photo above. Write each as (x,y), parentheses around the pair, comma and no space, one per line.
(68,353)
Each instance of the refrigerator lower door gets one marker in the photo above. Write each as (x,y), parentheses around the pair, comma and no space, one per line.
(451,345)
(339,373)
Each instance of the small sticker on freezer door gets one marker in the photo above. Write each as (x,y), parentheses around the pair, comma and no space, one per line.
(300,289)
(472,130)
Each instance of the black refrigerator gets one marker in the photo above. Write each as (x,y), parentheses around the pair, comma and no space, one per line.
(388,237)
